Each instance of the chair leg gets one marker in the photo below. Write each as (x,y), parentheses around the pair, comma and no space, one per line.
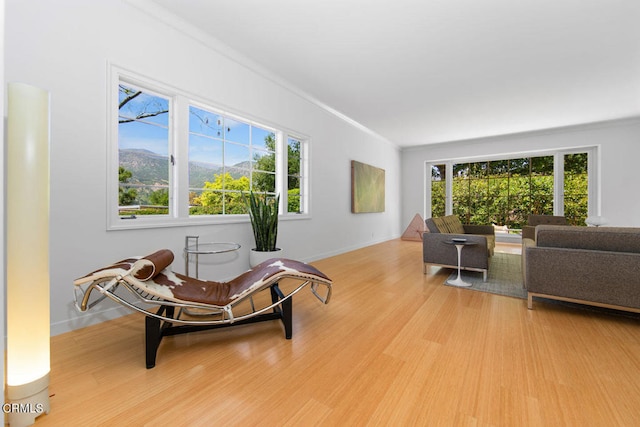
(154,331)
(153,336)
(287,317)
(286,310)
(484,275)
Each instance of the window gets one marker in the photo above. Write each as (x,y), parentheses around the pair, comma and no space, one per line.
(183,161)
(226,158)
(295,175)
(143,152)
(576,188)
(438,189)
(505,191)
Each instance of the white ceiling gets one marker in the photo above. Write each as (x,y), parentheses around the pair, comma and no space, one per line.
(425,71)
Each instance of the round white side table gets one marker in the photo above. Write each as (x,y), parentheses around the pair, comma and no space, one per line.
(459,244)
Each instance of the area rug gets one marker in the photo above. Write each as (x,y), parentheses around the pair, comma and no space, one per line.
(504,277)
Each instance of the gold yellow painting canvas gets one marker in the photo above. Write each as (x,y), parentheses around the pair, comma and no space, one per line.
(367,188)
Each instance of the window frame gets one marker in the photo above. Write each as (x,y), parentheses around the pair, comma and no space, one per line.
(303,174)
(593,152)
(180,101)
(170,140)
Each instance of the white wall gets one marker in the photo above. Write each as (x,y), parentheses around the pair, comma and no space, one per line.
(619,143)
(65,47)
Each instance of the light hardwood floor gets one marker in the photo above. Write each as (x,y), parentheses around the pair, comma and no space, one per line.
(393,347)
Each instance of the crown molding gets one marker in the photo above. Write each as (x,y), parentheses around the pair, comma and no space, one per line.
(623,121)
(154,10)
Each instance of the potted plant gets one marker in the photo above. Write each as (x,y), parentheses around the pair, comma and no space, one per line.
(263,212)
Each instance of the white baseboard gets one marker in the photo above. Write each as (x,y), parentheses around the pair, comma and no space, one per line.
(87,319)
(348,249)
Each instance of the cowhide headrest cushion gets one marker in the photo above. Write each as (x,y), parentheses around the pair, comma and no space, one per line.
(150,266)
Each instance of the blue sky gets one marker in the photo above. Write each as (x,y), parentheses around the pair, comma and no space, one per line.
(207,131)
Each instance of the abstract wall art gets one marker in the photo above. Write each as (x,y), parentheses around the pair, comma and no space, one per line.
(367,188)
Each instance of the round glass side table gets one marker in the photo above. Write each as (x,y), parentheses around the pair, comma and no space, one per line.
(193,247)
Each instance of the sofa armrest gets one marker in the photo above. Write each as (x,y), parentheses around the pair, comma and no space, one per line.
(479,229)
(526,243)
(529,232)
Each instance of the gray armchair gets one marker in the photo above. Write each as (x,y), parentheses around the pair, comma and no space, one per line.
(444,229)
(529,230)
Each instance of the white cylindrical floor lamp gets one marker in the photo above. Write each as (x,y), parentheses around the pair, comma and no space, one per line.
(27,198)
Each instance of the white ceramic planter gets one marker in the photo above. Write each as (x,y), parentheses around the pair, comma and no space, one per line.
(256,257)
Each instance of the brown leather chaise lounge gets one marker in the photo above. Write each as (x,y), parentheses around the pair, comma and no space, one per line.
(148,284)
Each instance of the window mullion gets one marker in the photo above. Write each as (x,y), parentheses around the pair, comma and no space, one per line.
(593,182)
(281,170)
(558,184)
(180,150)
(304,200)
(448,188)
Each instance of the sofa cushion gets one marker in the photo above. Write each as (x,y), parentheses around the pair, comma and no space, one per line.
(613,239)
(439,225)
(449,224)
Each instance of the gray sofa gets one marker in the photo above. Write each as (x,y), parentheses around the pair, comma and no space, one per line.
(590,265)
(444,229)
